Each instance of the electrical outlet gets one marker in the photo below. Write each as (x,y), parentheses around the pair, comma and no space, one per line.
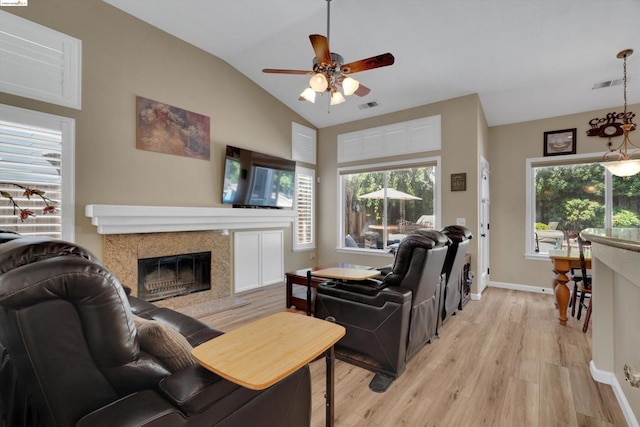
(461,221)
(312,256)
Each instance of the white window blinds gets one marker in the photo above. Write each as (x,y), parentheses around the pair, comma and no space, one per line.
(304,235)
(39,63)
(30,156)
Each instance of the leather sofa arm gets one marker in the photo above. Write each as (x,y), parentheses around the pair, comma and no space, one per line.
(395,294)
(144,408)
(194,389)
(193,330)
(203,395)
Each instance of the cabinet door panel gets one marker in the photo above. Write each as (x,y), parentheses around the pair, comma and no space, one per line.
(272,257)
(247,260)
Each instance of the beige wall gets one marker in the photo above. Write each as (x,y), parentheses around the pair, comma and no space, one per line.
(124,57)
(459,153)
(509,148)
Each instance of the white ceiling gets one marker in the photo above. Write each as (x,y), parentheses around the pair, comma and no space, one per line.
(527,59)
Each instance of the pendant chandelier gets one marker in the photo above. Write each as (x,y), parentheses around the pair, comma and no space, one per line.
(618,160)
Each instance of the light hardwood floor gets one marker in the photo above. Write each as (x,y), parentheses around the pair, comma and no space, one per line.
(502,361)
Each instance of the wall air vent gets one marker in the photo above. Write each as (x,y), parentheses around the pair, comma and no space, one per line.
(608,83)
(368,105)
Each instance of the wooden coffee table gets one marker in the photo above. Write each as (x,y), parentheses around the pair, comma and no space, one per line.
(263,352)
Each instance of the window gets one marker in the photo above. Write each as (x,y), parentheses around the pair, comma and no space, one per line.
(39,63)
(568,197)
(304,235)
(382,203)
(36,150)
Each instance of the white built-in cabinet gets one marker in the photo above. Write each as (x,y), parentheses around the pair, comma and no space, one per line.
(258,259)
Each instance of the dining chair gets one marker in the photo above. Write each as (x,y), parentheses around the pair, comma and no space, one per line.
(577,275)
(584,285)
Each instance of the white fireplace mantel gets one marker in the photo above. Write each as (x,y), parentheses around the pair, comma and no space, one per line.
(123,219)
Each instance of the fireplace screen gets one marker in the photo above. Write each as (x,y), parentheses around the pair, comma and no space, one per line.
(170,276)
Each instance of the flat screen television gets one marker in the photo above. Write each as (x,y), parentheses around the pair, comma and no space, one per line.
(257,180)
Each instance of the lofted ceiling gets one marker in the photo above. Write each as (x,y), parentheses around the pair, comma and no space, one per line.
(526,59)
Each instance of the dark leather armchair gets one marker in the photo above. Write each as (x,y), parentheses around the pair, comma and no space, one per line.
(388,321)
(6,235)
(452,293)
(70,354)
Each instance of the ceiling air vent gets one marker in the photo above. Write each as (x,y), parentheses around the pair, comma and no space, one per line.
(608,83)
(368,105)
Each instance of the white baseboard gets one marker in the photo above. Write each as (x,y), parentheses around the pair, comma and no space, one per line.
(476,297)
(525,288)
(607,377)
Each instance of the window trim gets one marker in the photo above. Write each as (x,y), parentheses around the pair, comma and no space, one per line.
(371,167)
(66,126)
(530,194)
(298,247)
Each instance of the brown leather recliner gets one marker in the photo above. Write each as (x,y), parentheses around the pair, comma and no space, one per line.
(6,235)
(387,322)
(69,354)
(452,293)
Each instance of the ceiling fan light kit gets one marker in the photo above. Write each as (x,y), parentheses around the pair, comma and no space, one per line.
(349,86)
(329,72)
(337,98)
(319,82)
(309,95)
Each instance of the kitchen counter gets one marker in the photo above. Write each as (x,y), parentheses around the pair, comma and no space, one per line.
(615,324)
(621,238)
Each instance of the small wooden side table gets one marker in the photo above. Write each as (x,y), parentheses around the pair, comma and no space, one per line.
(348,273)
(299,277)
(263,352)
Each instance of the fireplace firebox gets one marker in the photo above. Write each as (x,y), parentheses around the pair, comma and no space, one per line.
(175,275)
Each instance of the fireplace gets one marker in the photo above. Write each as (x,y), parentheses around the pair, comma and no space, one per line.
(175,275)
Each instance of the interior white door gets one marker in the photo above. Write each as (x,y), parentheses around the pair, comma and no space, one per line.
(485,228)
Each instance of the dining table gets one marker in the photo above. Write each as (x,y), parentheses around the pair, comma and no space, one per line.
(563,261)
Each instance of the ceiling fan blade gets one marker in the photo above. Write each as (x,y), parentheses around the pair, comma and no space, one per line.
(321,47)
(362,90)
(368,63)
(276,71)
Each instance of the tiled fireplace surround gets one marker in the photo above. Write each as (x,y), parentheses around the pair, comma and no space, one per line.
(133,232)
(122,251)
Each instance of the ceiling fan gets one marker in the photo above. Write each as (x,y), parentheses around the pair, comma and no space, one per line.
(330,73)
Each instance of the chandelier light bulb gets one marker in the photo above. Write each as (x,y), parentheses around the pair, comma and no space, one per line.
(350,85)
(337,98)
(623,167)
(318,82)
(309,95)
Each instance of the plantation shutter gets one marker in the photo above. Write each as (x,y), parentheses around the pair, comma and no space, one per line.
(30,157)
(304,224)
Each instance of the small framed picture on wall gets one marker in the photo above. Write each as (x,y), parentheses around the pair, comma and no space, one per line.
(560,142)
(459,181)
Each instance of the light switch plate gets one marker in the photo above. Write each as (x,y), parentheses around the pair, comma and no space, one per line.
(461,221)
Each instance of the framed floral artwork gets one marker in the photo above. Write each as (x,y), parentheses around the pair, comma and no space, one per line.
(166,129)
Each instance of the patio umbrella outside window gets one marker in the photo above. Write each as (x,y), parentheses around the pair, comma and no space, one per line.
(391,194)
